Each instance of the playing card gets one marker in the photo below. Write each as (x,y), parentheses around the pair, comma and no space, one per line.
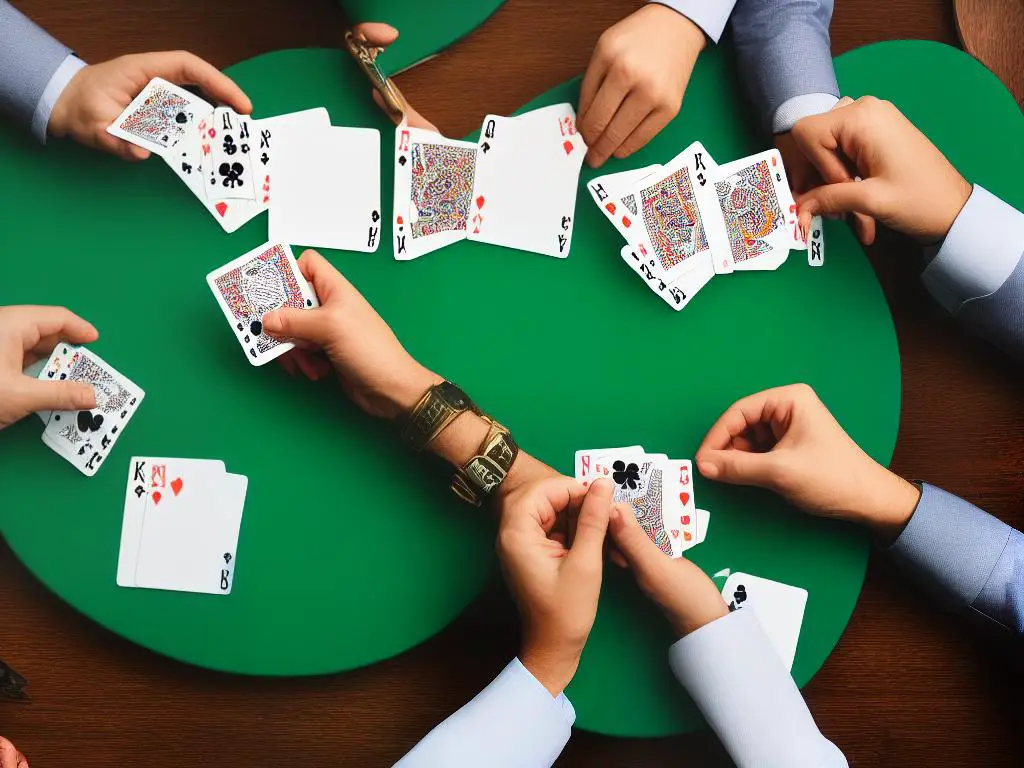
(527,170)
(703,522)
(680,509)
(159,117)
(676,294)
(189,538)
(186,160)
(641,486)
(327,189)
(612,194)
(673,234)
(265,135)
(779,609)
(433,188)
(149,481)
(232,161)
(755,203)
(85,438)
(262,280)
(816,243)
(586,463)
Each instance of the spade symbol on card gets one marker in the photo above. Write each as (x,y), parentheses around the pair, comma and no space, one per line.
(227,558)
(87,422)
(402,160)
(375,217)
(485,147)
(181,118)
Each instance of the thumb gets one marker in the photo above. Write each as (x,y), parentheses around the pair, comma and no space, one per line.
(843,197)
(737,467)
(592,524)
(308,325)
(38,395)
(634,544)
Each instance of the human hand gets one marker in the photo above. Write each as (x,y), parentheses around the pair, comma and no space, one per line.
(688,598)
(98,94)
(10,757)
(906,184)
(381,36)
(374,368)
(785,440)
(26,335)
(556,583)
(635,81)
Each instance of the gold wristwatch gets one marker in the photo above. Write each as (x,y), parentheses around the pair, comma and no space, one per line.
(480,477)
(439,407)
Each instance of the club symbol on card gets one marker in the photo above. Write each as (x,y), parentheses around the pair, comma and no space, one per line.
(626,475)
(87,422)
(232,174)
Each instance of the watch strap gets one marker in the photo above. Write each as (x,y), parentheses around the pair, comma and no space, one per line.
(439,407)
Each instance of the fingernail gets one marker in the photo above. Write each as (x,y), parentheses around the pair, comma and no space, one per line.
(708,469)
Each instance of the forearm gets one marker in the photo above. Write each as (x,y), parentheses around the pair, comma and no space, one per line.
(978,273)
(34,68)
(785,58)
(738,681)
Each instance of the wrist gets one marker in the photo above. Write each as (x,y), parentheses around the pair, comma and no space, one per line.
(955,203)
(408,389)
(704,604)
(553,668)
(691,37)
(889,503)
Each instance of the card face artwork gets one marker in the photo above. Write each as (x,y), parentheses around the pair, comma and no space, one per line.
(159,117)
(673,236)
(150,480)
(85,438)
(190,532)
(433,189)
(524,193)
(327,190)
(232,149)
(779,609)
(265,279)
(755,201)
(612,193)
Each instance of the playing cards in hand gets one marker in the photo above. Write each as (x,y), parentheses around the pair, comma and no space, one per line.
(692,219)
(86,438)
(658,489)
(447,190)
(181,523)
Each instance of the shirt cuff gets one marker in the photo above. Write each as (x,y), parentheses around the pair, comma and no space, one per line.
(952,544)
(748,697)
(797,108)
(54,88)
(979,254)
(711,17)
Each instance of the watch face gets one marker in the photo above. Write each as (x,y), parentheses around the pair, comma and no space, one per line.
(454,396)
(485,474)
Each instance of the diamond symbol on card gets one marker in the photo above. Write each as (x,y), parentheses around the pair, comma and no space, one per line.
(221,208)
(568,146)
(611,208)
(176,486)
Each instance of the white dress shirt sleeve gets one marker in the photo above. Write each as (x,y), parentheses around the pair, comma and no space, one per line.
(54,88)
(979,254)
(513,723)
(799,107)
(710,15)
(738,681)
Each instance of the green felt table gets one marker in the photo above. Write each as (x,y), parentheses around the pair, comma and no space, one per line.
(351,551)
(426,29)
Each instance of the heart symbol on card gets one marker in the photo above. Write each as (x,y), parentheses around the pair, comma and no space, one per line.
(157,496)
(684,497)
(684,520)
(610,208)
(176,486)
(480,202)
(221,208)
(626,222)
(568,146)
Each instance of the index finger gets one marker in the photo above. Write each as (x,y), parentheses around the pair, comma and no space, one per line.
(57,322)
(742,414)
(376,33)
(185,68)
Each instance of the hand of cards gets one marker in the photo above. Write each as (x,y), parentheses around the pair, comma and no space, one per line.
(692,219)
(321,184)
(447,190)
(180,528)
(658,489)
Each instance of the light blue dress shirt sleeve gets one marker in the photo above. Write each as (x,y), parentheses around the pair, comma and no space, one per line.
(710,15)
(748,697)
(29,58)
(60,80)
(513,723)
(785,58)
(967,557)
(978,274)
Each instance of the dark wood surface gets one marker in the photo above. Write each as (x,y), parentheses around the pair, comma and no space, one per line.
(907,685)
(993,32)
